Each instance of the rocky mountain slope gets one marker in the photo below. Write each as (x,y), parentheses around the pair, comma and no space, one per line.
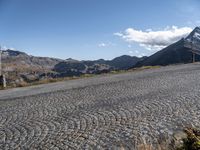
(20,67)
(175,53)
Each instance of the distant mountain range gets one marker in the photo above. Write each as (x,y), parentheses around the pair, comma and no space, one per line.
(21,67)
(72,67)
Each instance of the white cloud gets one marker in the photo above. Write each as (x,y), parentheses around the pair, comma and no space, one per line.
(131,52)
(154,40)
(136,51)
(12,48)
(102,45)
(141,55)
(129,46)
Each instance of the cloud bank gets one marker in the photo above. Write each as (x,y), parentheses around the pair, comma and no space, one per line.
(154,40)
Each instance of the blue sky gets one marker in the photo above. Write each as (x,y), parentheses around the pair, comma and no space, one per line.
(93,29)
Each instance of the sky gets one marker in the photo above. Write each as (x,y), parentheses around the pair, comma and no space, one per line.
(94,29)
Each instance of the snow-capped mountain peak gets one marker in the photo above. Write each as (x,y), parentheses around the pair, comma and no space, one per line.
(194,36)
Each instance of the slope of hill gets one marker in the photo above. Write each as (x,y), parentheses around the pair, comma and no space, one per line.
(175,53)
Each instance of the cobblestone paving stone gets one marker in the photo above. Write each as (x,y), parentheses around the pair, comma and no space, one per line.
(104,112)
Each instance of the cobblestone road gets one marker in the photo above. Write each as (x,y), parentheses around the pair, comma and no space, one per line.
(104,112)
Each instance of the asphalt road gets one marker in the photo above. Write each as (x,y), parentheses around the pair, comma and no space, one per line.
(104,112)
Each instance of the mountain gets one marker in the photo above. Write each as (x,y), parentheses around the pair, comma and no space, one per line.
(175,53)
(124,62)
(72,67)
(17,58)
(66,69)
(20,67)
